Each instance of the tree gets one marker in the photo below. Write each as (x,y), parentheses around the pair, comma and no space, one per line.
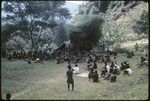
(86,35)
(30,19)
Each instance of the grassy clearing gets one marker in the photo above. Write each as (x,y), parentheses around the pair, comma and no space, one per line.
(131,44)
(48,81)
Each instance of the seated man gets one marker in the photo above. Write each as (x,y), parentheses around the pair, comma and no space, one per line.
(122,66)
(115,71)
(76,69)
(128,71)
(127,66)
(37,60)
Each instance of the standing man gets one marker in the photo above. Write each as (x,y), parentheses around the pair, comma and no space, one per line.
(69,75)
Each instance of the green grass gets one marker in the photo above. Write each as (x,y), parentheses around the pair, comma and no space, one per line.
(48,81)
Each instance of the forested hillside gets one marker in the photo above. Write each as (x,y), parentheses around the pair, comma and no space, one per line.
(119,18)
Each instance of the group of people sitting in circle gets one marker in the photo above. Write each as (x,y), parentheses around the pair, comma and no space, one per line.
(108,72)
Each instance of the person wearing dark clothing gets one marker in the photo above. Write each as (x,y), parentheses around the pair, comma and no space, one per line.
(115,53)
(104,71)
(115,71)
(112,64)
(127,66)
(113,78)
(29,62)
(69,75)
(142,59)
(111,67)
(95,76)
(130,54)
(122,66)
(8,96)
(96,58)
(111,70)
(94,65)
(9,57)
(102,59)
(136,47)
(90,59)
(108,58)
(90,75)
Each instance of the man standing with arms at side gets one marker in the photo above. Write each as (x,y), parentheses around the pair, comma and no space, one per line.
(69,75)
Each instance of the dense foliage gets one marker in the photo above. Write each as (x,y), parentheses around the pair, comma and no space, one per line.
(86,34)
(31,23)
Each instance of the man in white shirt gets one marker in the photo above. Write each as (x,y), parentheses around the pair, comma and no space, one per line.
(76,69)
(128,71)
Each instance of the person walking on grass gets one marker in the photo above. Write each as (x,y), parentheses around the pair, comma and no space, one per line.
(69,75)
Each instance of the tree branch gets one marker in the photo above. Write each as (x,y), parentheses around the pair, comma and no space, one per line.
(39,36)
(19,45)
